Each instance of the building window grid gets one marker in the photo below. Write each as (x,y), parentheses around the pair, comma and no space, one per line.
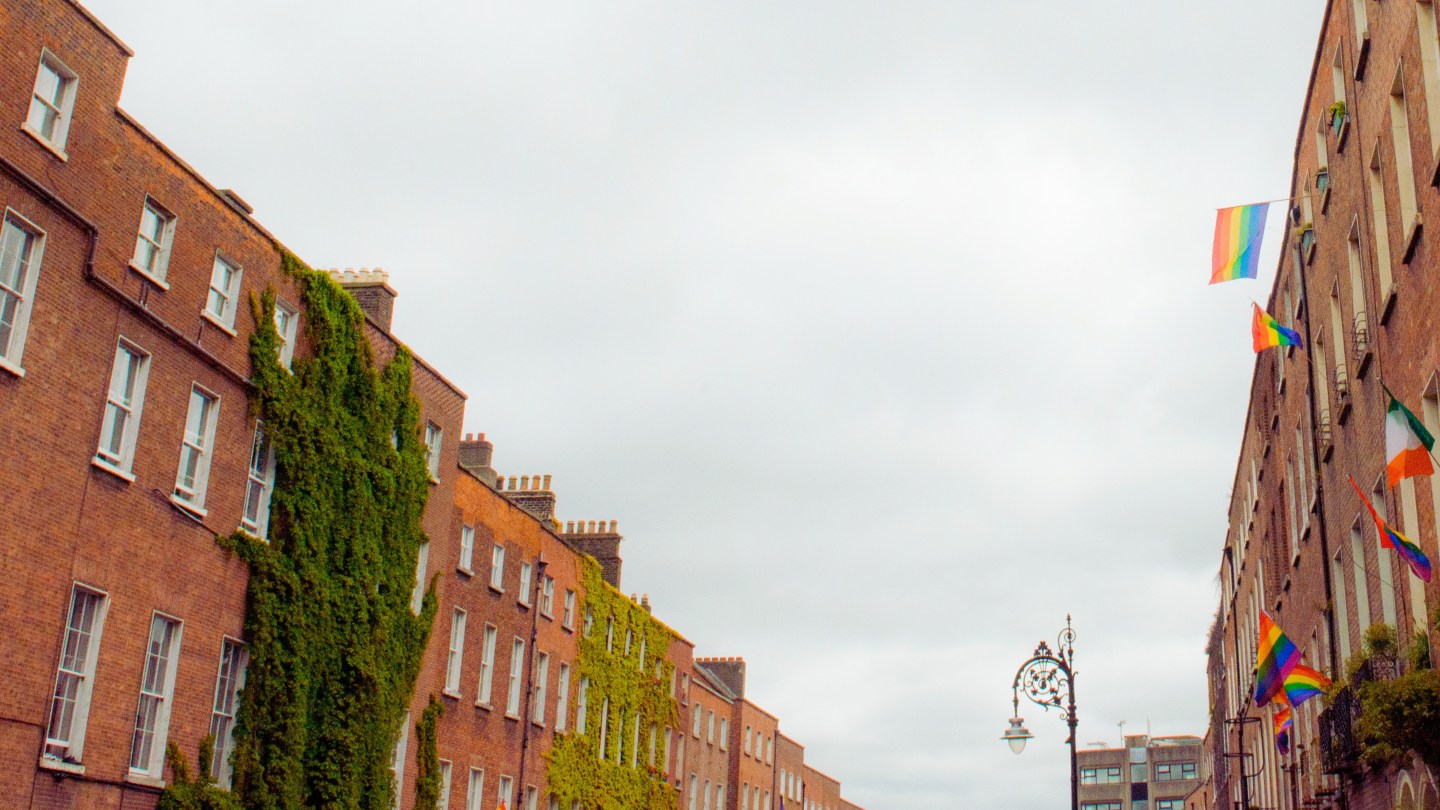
(152,714)
(52,102)
(433,438)
(259,484)
(497,568)
(123,404)
(21,249)
(562,699)
(224,285)
(547,596)
(443,802)
(286,321)
(517,668)
(487,666)
(1174,771)
(455,659)
(1100,776)
(568,617)
(195,446)
(70,703)
(542,678)
(467,548)
(475,790)
(152,242)
(522,594)
(228,681)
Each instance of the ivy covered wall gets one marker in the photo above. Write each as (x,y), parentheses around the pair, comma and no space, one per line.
(334,648)
(604,768)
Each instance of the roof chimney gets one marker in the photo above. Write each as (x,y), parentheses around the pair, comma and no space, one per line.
(371,289)
(600,540)
(729,671)
(533,495)
(475,457)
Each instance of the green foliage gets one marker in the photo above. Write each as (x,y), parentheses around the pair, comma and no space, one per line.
(186,792)
(635,687)
(1420,651)
(334,648)
(1399,716)
(427,757)
(1337,110)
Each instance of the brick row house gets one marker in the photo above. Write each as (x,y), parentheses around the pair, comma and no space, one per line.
(125,376)
(1356,279)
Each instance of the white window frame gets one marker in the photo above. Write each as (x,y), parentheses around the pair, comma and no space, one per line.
(456,656)
(582,703)
(434,438)
(286,327)
(467,549)
(259,485)
(562,698)
(696,718)
(157,690)
(159,244)
(75,674)
(505,790)
(542,678)
(532,797)
(422,568)
(547,596)
(23,292)
(397,758)
(122,462)
(497,568)
(475,790)
(522,595)
(64,111)
(192,498)
(443,801)
(487,666)
(228,296)
(517,673)
(229,680)
(567,619)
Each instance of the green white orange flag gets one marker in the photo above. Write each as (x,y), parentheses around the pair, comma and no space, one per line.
(1407,443)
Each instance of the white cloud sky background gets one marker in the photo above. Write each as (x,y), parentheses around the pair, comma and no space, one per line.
(882,328)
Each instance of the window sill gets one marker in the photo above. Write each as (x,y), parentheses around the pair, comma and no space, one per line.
(101,464)
(525,605)
(250,533)
(480,704)
(217,323)
(434,479)
(145,779)
(151,277)
(538,723)
(515,717)
(53,764)
(450,693)
(463,570)
(549,616)
(567,628)
(45,142)
(186,506)
(6,365)
(496,588)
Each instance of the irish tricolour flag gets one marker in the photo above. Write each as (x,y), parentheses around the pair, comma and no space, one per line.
(1407,443)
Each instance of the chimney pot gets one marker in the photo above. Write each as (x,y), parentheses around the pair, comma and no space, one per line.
(524,482)
(547,483)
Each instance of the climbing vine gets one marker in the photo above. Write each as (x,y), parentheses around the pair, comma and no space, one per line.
(604,768)
(188,792)
(334,648)
(427,756)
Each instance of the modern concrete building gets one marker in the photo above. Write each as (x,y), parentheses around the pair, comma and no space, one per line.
(1148,773)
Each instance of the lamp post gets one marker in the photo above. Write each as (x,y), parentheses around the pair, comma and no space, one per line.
(1048,680)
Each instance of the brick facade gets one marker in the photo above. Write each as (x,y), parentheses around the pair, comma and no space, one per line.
(117,531)
(1354,279)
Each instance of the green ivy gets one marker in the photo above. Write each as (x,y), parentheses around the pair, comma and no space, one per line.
(634,686)
(186,792)
(427,756)
(1399,716)
(334,648)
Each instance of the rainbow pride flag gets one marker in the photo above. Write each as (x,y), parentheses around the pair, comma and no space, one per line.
(1408,549)
(1304,683)
(1283,720)
(1267,332)
(1407,443)
(1238,232)
(1275,657)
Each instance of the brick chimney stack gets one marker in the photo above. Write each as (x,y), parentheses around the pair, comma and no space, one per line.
(601,541)
(729,670)
(531,493)
(371,289)
(476,456)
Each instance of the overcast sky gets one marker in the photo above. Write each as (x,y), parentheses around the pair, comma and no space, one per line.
(882,328)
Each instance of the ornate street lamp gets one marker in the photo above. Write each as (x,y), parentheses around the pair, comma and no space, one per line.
(1048,680)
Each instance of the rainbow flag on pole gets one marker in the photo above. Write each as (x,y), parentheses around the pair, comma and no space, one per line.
(1267,332)
(1408,550)
(1304,683)
(1238,233)
(1275,657)
(1283,720)
(1407,443)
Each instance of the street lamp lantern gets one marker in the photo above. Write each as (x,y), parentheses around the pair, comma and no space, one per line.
(1048,680)
(1017,734)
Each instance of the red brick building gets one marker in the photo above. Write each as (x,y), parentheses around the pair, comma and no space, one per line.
(1355,280)
(125,397)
